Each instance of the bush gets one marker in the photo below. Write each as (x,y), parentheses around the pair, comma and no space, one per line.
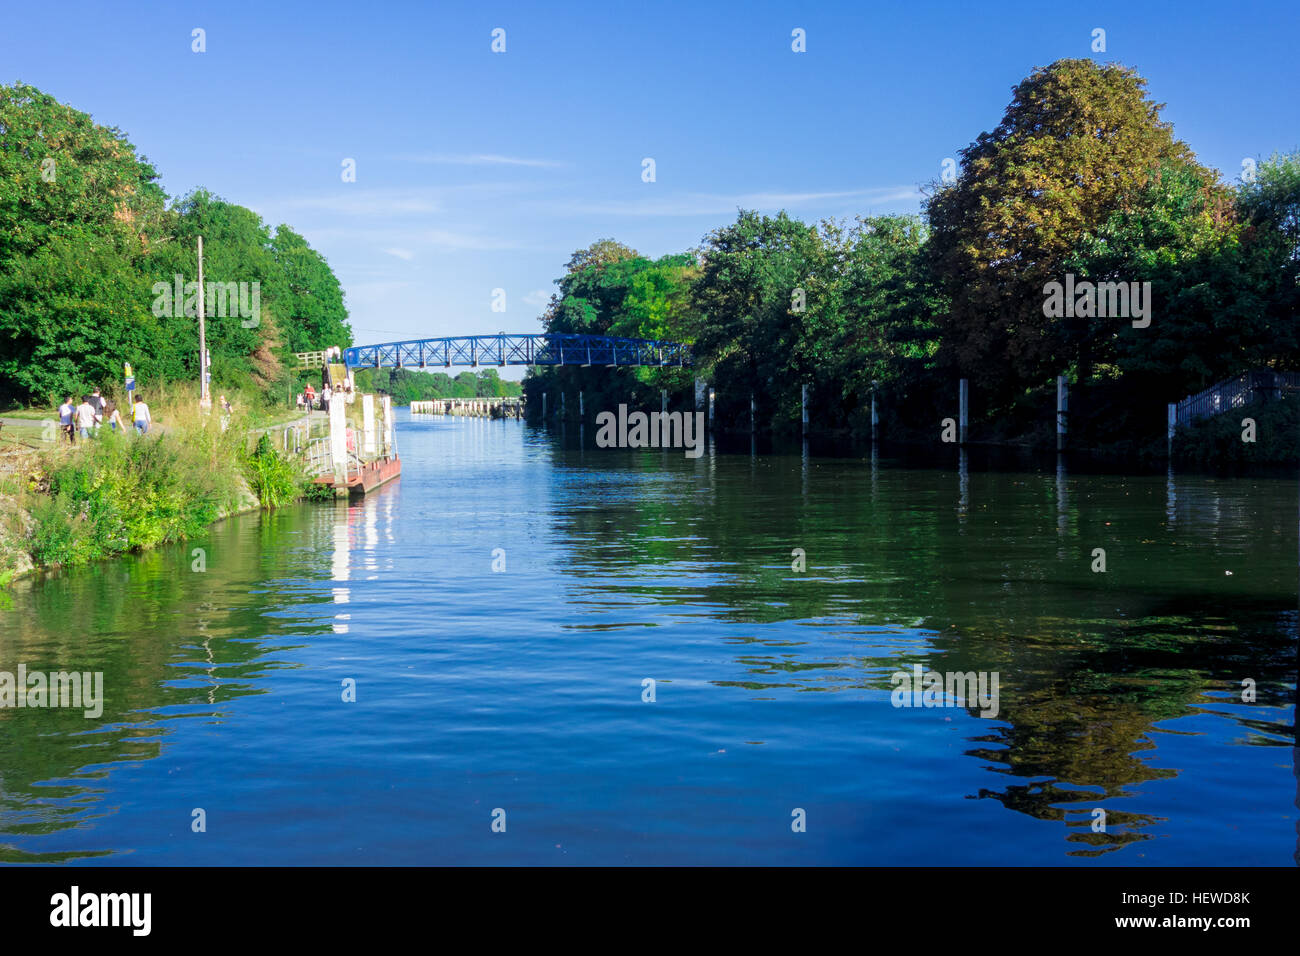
(1218,440)
(273,478)
(124,492)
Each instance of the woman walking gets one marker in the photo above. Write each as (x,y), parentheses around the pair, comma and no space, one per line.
(142,417)
(114,417)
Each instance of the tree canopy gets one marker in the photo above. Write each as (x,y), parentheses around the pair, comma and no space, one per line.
(87,235)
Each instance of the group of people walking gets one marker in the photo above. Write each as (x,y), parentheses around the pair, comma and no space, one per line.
(85,418)
(308,398)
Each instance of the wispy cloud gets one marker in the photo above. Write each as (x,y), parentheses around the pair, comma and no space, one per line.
(407,243)
(537,297)
(452,239)
(712,204)
(365,202)
(477,159)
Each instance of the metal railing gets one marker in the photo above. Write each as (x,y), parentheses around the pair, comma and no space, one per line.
(310,359)
(1250,387)
(319,458)
(523,349)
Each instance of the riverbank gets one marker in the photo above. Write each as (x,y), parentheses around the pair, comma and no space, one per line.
(67,505)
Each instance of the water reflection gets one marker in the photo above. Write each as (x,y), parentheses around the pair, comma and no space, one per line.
(1097,669)
(1119,691)
(173,643)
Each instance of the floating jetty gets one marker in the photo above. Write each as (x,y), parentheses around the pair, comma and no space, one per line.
(367,478)
(360,452)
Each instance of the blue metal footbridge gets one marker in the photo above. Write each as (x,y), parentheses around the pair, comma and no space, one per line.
(526,349)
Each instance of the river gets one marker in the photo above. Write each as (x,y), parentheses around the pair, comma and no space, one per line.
(646,677)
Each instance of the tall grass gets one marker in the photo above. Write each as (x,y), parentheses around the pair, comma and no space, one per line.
(122,492)
(272,477)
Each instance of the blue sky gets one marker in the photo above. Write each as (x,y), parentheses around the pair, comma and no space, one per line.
(479,170)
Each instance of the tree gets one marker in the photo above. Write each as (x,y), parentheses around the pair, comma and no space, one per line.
(313,313)
(58,169)
(87,242)
(747,300)
(1269,207)
(69,311)
(1078,143)
(79,210)
(870,324)
(656,301)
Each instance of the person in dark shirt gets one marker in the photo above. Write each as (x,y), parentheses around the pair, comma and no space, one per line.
(97,403)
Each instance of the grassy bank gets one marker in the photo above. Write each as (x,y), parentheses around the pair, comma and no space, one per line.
(66,505)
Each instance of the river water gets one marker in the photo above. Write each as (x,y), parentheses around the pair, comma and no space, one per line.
(521,695)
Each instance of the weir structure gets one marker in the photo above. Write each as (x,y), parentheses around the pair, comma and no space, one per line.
(498,407)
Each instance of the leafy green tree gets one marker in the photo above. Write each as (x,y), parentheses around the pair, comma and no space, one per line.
(1269,208)
(58,169)
(870,323)
(79,210)
(656,302)
(313,313)
(1181,236)
(592,288)
(1078,143)
(236,249)
(747,299)
(88,243)
(68,312)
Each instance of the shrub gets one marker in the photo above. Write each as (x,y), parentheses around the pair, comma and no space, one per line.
(273,478)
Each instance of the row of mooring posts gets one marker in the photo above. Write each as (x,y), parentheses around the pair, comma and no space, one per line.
(702,392)
(705,398)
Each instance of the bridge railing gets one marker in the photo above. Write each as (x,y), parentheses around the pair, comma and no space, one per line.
(526,349)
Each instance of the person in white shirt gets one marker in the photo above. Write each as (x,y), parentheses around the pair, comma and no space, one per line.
(85,416)
(142,417)
(325,395)
(66,411)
